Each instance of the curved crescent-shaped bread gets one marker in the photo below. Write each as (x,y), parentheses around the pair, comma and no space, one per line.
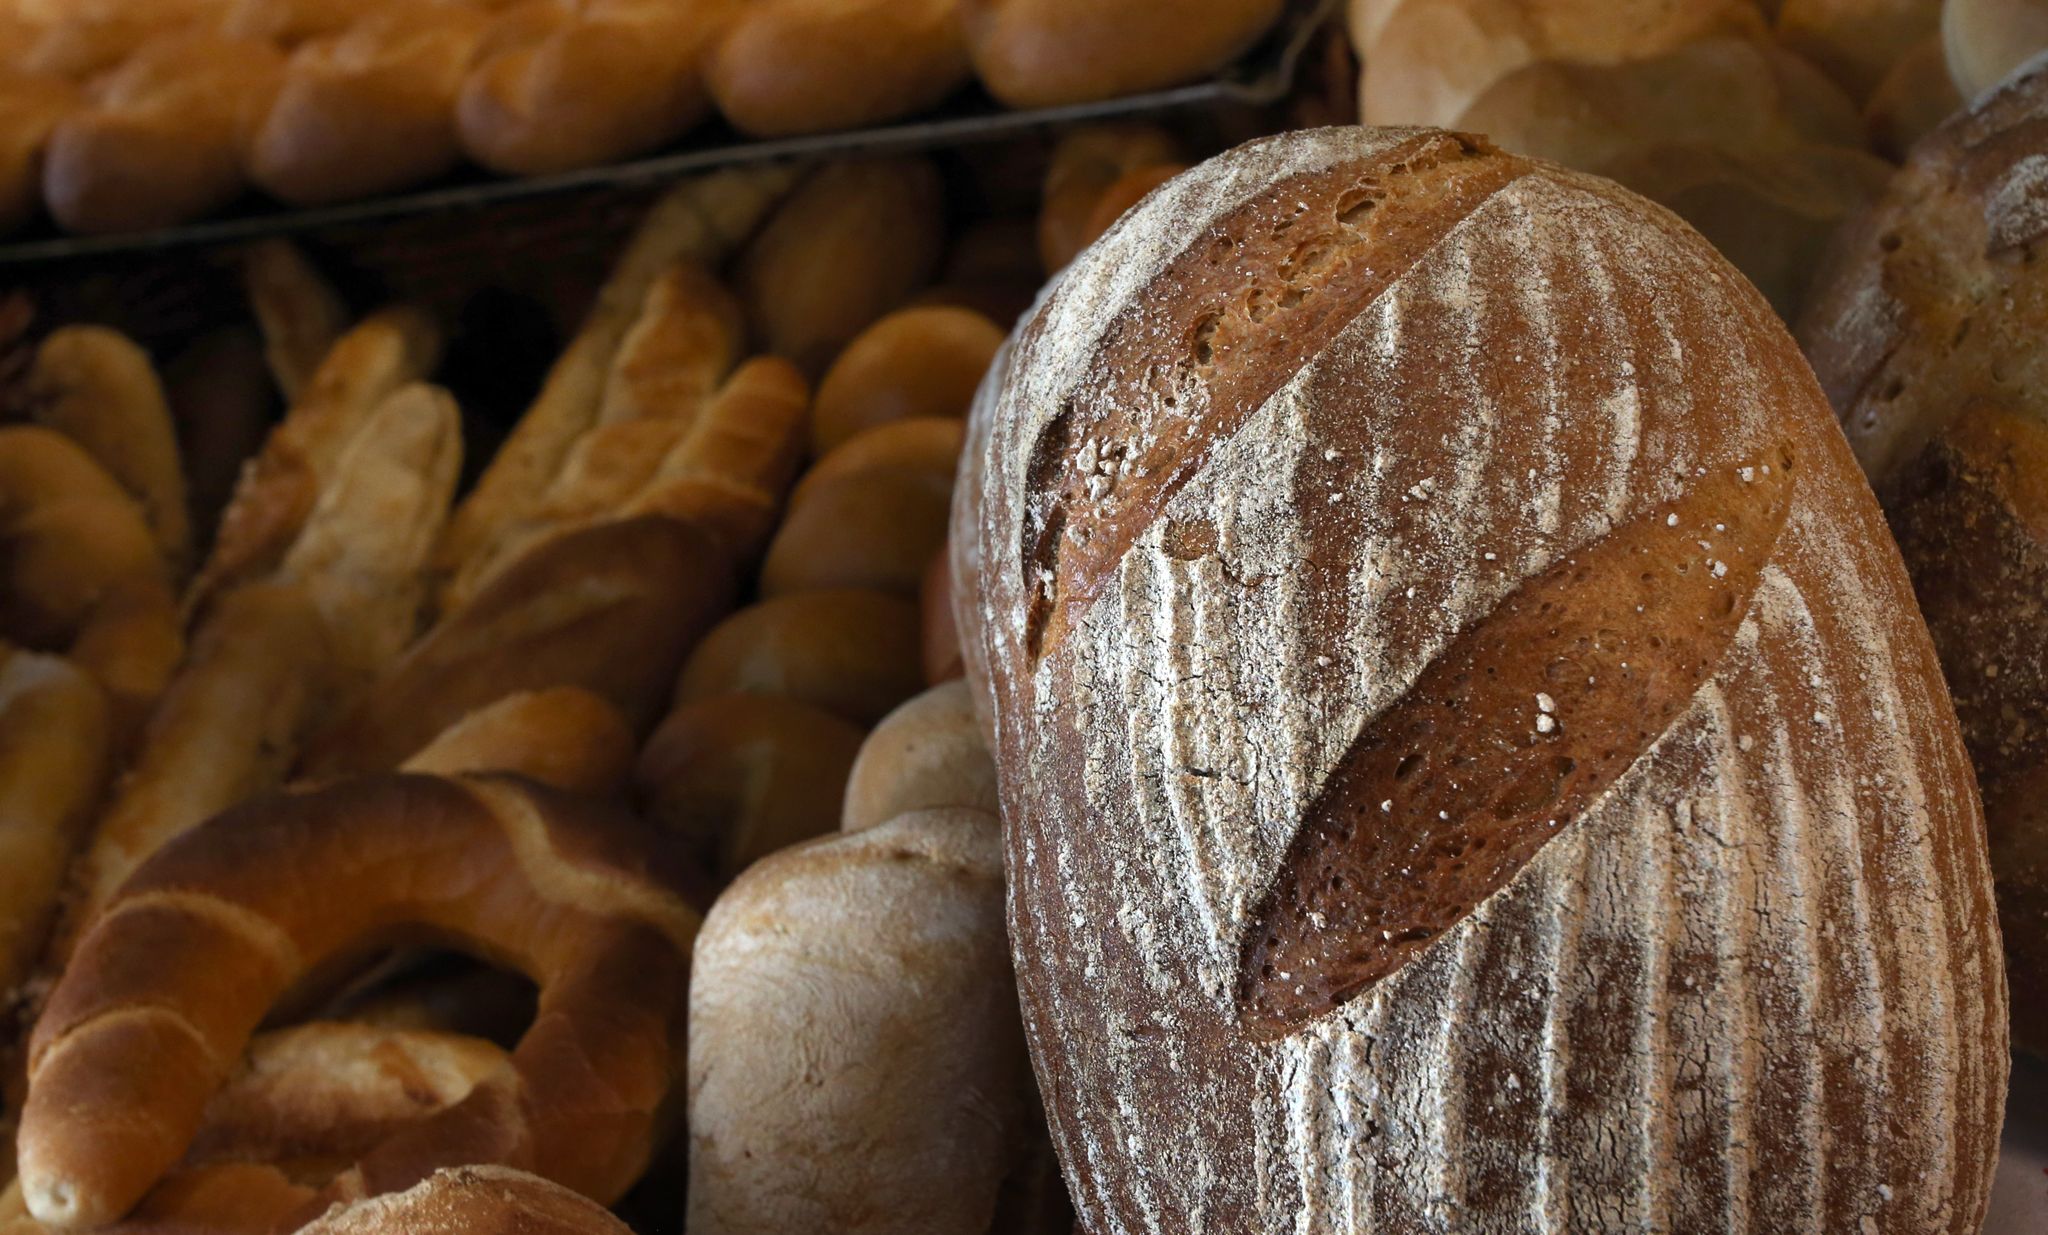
(1468,756)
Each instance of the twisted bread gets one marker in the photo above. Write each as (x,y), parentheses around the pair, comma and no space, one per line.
(928,753)
(100,390)
(700,220)
(56,749)
(566,738)
(164,991)
(159,140)
(851,243)
(612,609)
(798,66)
(301,458)
(473,1200)
(83,571)
(610,79)
(737,777)
(370,109)
(853,653)
(916,362)
(855,1058)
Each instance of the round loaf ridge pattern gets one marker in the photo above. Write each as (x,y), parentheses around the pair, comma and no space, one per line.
(1469,756)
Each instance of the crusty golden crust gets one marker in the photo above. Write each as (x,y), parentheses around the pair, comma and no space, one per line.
(162,994)
(473,1200)
(1925,333)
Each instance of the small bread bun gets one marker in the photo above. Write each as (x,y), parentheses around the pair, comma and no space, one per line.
(927,753)
(875,528)
(160,139)
(1987,39)
(741,776)
(854,241)
(924,361)
(929,445)
(851,652)
(802,66)
(473,1200)
(1044,53)
(1128,190)
(1084,165)
(942,657)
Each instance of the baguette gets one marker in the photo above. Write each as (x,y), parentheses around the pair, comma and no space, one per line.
(854,1048)
(738,777)
(852,653)
(159,140)
(854,241)
(916,362)
(798,66)
(1389,747)
(301,316)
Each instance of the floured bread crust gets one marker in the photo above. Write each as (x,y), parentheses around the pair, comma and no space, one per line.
(1747,980)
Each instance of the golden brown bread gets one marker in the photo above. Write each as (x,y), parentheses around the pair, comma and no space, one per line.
(163,993)
(915,362)
(290,22)
(1911,100)
(1856,42)
(799,66)
(31,105)
(1045,53)
(280,487)
(56,751)
(1926,336)
(941,638)
(611,608)
(611,79)
(83,573)
(927,445)
(1985,40)
(875,528)
(1125,193)
(159,140)
(473,1200)
(82,39)
(370,109)
(853,653)
(926,754)
(855,1061)
(737,777)
(563,737)
(1388,746)
(99,389)
(852,242)
(301,315)
(700,220)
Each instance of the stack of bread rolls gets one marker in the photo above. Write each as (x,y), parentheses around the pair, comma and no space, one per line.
(1926,334)
(123,115)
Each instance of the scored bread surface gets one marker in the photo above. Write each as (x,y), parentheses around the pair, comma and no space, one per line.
(1749,981)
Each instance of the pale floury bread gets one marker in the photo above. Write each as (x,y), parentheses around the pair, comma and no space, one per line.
(1468,754)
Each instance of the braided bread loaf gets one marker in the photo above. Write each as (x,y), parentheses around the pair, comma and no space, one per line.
(1512,794)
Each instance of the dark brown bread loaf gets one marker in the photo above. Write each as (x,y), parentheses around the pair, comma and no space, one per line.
(1467,754)
(1926,334)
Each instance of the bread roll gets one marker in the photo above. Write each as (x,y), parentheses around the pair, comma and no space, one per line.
(370,109)
(926,754)
(1510,795)
(928,446)
(291,22)
(853,242)
(1045,53)
(1911,100)
(800,66)
(56,751)
(565,738)
(82,39)
(1987,39)
(1856,42)
(1926,335)
(869,529)
(31,106)
(853,653)
(992,269)
(1126,192)
(915,362)
(741,776)
(160,139)
(613,79)
(942,660)
(472,1200)
(300,313)
(854,1054)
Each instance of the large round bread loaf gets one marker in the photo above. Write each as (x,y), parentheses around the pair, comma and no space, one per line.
(1468,754)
